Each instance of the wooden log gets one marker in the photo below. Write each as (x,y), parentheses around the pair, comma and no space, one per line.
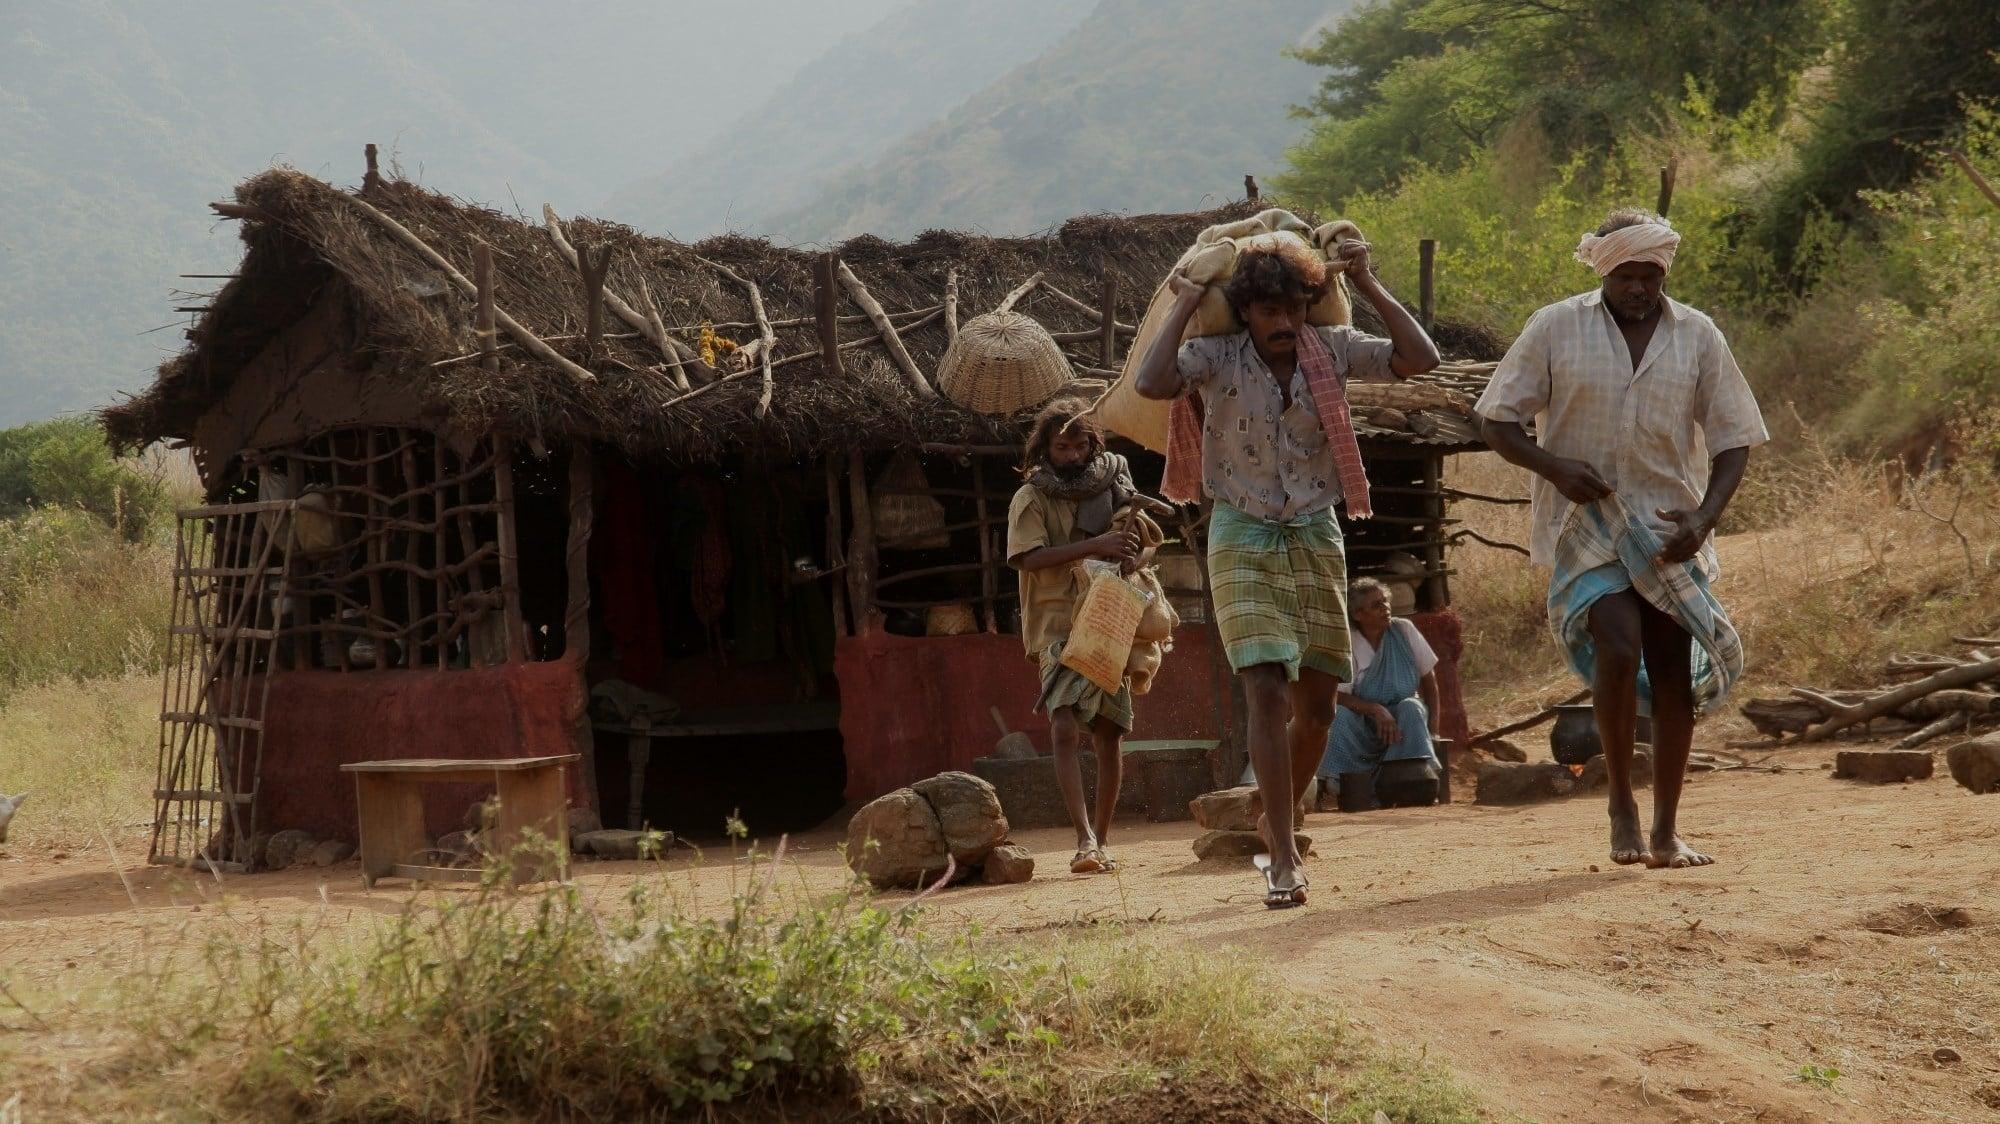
(826,304)
(849,345)
(1938,728)
(951,306)
(527,339)
(372,178)
(835,557)
(767,338)
(1250,193)
(1464,533)
(1881,704)
(989,579)
(1049,288)
(1427,250)
(510,551)
(1972,173)
(676,370)
(890,340)
(1668,175)
(861,548)
(1020,291)
(488,333)
(670,347)
(1107,344)
(1437,594)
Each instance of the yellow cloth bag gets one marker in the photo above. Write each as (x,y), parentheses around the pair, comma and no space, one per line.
(1102,630)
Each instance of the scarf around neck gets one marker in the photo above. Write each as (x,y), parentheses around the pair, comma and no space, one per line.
(1095,491)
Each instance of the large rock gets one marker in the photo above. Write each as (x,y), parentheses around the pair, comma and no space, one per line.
(896,840)
(1597,776)
(329,852)
(1505,782)
(1007,863)
(621,843)
(1233,809)
(968,810)
(1884,766)
(1239,844)
(1976,764)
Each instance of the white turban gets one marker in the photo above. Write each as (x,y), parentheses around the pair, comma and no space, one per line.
(1646,241)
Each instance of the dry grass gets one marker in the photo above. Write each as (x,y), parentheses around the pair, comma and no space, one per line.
(84,751)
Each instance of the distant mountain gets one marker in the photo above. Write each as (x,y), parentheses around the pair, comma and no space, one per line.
(840,113)
(1146,105)
(120,119)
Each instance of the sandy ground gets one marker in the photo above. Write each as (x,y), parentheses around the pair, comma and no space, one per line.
(1500,940)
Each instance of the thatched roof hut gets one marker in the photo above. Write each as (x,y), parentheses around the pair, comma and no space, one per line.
(611,490)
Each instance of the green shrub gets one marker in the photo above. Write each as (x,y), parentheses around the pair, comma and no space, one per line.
(66,463)
(78,600)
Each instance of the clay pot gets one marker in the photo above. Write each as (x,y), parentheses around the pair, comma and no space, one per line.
(1573,739)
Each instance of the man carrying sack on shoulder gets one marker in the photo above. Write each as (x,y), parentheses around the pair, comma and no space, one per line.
(1260,424)
(1065,514)
(1643,427)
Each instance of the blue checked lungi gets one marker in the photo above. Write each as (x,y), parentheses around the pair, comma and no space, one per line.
(1605,549)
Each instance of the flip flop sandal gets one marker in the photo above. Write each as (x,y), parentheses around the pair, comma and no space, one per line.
(1109,864)
(1087,862)
(1276,897)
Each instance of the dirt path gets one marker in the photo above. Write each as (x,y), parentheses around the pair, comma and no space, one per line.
(1558,989)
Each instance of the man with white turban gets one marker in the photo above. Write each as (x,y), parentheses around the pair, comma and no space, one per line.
(1628,391)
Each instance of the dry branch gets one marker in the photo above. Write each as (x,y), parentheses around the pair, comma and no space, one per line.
(887,330)
(765,336)
(951,305)
(1529,722)
(527,339)
(1083,307)
(1023,289)
(1845,716)
(673,349)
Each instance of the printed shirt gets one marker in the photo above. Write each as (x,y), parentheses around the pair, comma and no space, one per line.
(1034,520)
(1258,455)
(1364,652)
(1647,431)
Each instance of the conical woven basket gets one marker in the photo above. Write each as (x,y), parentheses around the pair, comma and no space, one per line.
(1002,362)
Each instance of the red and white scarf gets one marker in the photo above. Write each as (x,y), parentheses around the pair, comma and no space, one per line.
(1182,479)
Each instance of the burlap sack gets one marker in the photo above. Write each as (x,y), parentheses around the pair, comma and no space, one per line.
(1212,261)
(1158,621)
(1143,664)
(1101,631)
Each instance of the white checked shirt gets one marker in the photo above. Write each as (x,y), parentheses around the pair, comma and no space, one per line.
(1647,431)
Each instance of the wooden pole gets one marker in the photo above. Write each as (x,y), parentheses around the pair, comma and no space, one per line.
(489,335)
(989,578)
(1668,173)
(510,551)
(861,547)
(674,350)
(576,614)
(1107,338)
(835,557)
(1020,292)
(593,273)
(372,179)
(1250,187)
(1427,250)
(1436,592)
(826,305)
(951,306)
(890,340)
(1978,180)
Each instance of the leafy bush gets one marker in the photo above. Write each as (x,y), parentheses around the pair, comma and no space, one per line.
(77,600)
(66,463)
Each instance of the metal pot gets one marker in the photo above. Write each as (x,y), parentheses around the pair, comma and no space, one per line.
(1573,739)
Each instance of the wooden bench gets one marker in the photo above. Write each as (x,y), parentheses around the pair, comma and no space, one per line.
(534,797)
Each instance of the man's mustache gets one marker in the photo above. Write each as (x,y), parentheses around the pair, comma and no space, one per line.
(1274,337)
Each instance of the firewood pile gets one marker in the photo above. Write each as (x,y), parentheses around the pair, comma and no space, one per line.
(1923,695)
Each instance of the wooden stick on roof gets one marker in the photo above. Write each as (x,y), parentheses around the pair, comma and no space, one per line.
(372,178)
(890,340)
(1022,290)
(675,372)
(489,336)
(826,305)
(766,338)
(951,306)
(593,273)
(673,349)
(527,339)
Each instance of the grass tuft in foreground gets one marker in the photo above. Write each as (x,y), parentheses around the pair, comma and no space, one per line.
(500,1006)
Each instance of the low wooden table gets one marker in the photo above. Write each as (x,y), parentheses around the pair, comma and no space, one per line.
(534,796)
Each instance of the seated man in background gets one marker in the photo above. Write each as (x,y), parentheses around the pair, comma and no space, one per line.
(1381,736)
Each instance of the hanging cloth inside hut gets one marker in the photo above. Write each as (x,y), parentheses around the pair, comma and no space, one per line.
(621,558)
(712,560)
(771,617)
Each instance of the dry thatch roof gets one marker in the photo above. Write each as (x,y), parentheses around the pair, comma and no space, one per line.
(308,242)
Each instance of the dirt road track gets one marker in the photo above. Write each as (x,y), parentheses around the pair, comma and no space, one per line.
(1824,937)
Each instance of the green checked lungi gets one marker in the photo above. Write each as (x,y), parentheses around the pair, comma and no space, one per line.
(1067,687)
(1280,591)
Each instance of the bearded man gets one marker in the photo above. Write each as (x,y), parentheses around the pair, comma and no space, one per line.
(1629,391)
(1061,516)
(1261,416)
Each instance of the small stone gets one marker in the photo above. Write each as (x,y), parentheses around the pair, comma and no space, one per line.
(623,844)
(1596,774)
(1620,963)
(1503,782)
(286,848)
(1593,868)
(1944,1055)
(1008,863)
(1233,809)
(1883,766)
(1975,765)
(1239,844)
(330,852)
(58,856)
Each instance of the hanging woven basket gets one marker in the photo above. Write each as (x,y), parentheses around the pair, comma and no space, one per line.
(904,519)
(1002,363)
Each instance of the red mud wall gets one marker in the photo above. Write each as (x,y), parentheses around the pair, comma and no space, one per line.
(912,707)
(318,720)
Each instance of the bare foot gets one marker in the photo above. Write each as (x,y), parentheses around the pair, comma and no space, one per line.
(1671,852)
(1626,847)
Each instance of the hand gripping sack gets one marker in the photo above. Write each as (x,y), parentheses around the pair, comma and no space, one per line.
(1102,628)
(1212,261)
